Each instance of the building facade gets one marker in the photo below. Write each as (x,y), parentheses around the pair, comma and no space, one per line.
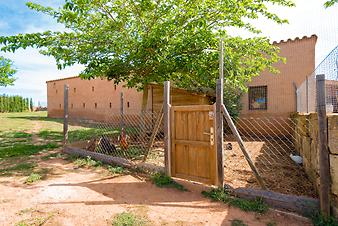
(268,94)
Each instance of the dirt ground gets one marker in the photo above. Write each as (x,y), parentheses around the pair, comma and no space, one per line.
(273,163)
(76,196)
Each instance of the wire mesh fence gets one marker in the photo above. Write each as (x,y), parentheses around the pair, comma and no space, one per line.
(137,137)
(306,92)
(272,143)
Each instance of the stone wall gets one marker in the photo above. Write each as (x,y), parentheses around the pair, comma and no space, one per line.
(306,143)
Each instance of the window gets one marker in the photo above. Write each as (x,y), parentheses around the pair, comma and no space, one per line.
(74,90)
(114,87)
(60,106)
(128,104)
(83,105)
(56,91)
(71,106)
(93,88)
(258,98)
(110,105)
(54,84)
(95,105)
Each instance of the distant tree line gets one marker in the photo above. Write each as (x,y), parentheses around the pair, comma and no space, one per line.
(15,104)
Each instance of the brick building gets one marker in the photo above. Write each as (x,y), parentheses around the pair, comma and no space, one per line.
(268,94)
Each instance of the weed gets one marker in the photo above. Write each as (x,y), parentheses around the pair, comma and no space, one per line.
(51,135)
(32,178)
(24,150)
(81,162)
(162,180)
(271,223)
(320,220)
(222,195)
(115,169)
(128,219)
(237,222)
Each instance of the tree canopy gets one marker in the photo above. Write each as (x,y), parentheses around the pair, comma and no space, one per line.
(143,41)
(6,72)
(330,3)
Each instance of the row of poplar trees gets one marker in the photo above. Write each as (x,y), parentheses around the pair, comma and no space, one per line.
(15,104)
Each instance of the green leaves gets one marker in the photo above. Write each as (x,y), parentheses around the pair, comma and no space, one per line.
(143,41)
(6,72)
(330,3)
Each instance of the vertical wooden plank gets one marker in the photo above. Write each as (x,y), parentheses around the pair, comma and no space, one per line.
(172,142)
(219,132)
(121,112)
(65,114)
(307,94)
(324,169)
(167,131)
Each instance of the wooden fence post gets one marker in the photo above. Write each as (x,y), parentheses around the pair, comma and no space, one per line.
(121,112)
(167,130)
(219,132)
(324,165)
(65,114)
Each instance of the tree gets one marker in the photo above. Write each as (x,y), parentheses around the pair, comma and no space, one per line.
(31,105)
(330,3)
(6,72)
(144,41)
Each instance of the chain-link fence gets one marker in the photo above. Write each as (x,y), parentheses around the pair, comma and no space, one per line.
(136,137)
(306,92)
(274,145)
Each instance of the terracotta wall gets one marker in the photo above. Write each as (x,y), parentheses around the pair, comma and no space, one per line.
(83,94)
(281,93)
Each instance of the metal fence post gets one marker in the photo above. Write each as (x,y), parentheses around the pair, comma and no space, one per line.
(167,130)
(219,132)
(65,114)
(324,165)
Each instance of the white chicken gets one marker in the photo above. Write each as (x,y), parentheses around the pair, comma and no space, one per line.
(296,158)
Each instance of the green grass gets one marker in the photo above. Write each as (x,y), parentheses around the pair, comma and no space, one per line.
(52,156)
(32,178)
(319,220)
(87,162)
(115,169)
(20,150)
(237,222)
(222,195)
(271,223)
(162,180)
(24,168)
(128,219)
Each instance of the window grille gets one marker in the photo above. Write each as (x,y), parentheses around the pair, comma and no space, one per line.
(258,98)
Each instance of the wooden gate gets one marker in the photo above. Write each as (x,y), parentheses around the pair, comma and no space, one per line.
(193,149)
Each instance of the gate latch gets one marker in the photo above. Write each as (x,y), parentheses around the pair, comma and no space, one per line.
(211,134)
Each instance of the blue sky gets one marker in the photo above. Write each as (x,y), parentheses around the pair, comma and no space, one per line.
(307,18)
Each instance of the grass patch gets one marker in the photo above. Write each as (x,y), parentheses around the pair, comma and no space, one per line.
(51,135)
(19,150)
(115,169)
(237,222)
(319,220)
(87,162)
(222,195)
(32,178)
(162,180)
(128,219)
(271,224)
(24,168)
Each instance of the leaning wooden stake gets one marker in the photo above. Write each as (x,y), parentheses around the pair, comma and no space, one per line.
(324,168)
(154,133)
(241,145)
(65,114)
(167,131)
